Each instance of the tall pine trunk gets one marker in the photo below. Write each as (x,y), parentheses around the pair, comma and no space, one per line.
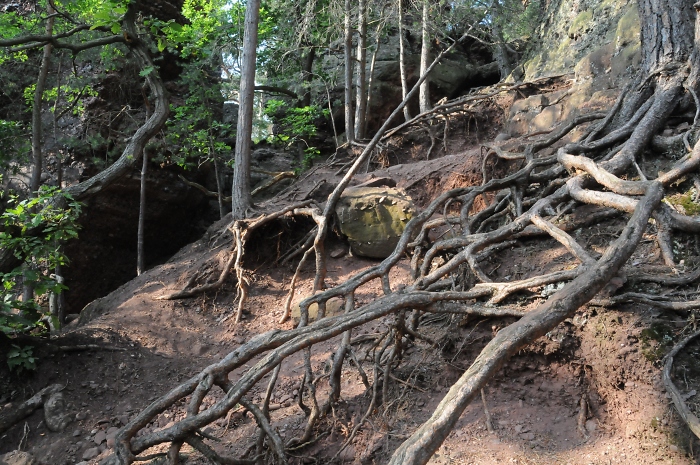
(240,192)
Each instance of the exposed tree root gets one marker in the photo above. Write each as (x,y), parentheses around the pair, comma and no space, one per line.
(451,276)
(688,417)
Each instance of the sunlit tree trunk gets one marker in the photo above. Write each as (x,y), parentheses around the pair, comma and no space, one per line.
(424,95)
(370,78)
(349,116)
(402,62)
(240,192)
(361,88)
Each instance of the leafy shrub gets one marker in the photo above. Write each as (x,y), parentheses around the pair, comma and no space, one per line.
(34,230)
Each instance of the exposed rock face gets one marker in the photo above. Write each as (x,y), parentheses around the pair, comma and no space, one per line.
(603,50)
(373,219)
(573,29)
(465,68)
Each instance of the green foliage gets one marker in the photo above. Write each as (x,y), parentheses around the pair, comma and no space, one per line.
(295,125)
(21,358)
(195,131)
(34,230)
(14,140)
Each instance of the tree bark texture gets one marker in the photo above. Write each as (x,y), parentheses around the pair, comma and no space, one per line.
(666,33)
(349,123)
(402,62)
(37,126)
(424,97)
(361,88)
(240,193)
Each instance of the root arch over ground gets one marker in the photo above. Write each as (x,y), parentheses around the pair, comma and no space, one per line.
(601,170)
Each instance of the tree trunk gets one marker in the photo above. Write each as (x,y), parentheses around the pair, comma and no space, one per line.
(142,217)
(361,88)
(666,33)
(349,124)
(37,156)
(240,192)
(370,79)
(424,96)
(134,148)
(402,62)
(307,75)
(500,50)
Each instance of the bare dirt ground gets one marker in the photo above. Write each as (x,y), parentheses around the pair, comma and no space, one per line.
(611,357)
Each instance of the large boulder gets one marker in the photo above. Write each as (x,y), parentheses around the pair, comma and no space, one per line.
(373,218)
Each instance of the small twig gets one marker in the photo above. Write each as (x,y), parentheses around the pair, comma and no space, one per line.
(487,415)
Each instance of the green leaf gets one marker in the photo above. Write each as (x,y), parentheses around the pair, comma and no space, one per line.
(146,71)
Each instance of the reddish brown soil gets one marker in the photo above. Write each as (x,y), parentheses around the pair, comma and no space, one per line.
(150,346)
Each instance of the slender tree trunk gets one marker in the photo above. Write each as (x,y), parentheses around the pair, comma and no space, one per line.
(37,156)
(57,301)
(142,216)
(424,96)
(37,132)
(361,88)
(240,192)
(370,79)
(349,124)
(219,187)
(402,62)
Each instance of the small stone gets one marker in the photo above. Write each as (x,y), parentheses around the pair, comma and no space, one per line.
(100,437)
(339,252)
(528,436)
(284,398)
(77,433)
(591,426)
(673,448)
(112,432)
(110,443)
(80,416)
(91,453)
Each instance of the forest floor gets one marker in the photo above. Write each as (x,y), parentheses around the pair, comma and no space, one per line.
(149,346)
